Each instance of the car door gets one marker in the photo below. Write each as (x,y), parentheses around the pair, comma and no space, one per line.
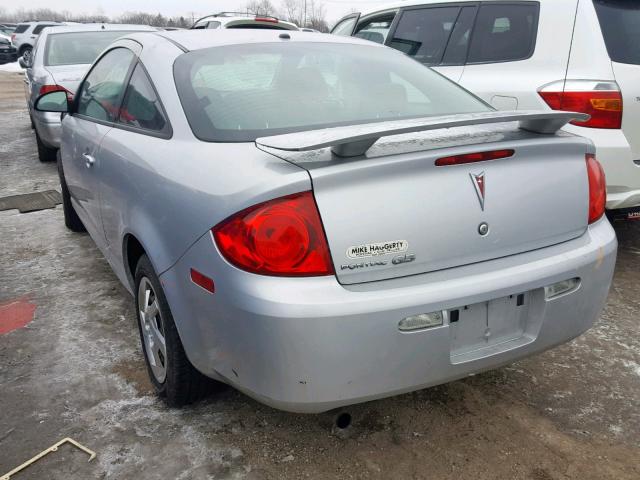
(375,28)
(345,25)
(142,126)
(436,36)
(515,49)
(95,110)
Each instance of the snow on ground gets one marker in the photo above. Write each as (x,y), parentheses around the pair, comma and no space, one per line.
(11,67)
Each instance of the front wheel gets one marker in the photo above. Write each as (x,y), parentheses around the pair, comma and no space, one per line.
(45,154)
(170,371)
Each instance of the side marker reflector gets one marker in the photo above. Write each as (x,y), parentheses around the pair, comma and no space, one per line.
(202,281)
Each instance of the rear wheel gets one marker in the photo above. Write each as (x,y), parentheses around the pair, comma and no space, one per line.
(171,373)
(71,218)
(45,154)
(26,53)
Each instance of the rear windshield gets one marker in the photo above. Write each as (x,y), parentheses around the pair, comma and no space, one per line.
(620,24)
(21,28)
(242,92)
(78,47)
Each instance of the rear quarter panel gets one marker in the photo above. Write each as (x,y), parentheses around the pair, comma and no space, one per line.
(168,193)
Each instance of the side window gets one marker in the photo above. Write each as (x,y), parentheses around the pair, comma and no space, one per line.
(504,33)
(376,29)
(424,33)
(102,90)
(344,27)
(141,107)
(213,25)
(456,52)
(38,28)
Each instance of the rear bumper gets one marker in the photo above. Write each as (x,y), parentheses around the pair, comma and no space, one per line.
(311,345)
(623,173)
(49,127)
(8,56)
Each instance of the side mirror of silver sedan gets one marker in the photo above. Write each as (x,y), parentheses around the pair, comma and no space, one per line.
(53,102)
(22,63)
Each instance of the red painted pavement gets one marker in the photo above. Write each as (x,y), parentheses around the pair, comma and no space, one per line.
(16,314)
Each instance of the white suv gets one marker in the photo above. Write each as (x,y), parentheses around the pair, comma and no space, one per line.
(579,55)
(25,36)
(241,20)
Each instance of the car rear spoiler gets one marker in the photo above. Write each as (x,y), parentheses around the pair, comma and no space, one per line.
(354,140)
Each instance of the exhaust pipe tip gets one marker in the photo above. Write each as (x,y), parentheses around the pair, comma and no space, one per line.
(343,420)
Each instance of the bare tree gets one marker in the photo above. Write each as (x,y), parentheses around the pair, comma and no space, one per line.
(293,11)
(316,16)
(261,7)
(304,13)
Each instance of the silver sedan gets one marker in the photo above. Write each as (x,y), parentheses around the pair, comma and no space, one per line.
(320,221)
(61,57)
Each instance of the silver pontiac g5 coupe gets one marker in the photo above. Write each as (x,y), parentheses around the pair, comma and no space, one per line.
(320,221)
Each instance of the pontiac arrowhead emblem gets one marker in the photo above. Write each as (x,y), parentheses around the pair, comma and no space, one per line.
(479,184)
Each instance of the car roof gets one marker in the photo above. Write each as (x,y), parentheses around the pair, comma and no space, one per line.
(40,22)
(199,39)
(412,3)
(97,27)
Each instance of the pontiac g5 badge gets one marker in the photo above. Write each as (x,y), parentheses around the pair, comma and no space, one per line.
(479,184)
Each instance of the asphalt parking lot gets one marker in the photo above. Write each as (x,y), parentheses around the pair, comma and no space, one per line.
(75,370)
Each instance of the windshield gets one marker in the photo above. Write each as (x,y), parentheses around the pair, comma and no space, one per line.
(78,47)
(620,24)
(241,92)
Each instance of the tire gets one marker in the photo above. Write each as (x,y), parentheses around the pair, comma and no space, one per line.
(45,154)
(170,371)
(71,218)
(27,51)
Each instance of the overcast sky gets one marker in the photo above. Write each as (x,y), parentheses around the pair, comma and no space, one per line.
(335,8)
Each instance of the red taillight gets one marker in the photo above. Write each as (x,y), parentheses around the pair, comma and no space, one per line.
(202,281)
(474,157)
(597,189)
(55,88)
(605,107)
(281,237)
(13,38)
(267,19)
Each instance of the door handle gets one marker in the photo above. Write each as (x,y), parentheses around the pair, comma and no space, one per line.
(88,160)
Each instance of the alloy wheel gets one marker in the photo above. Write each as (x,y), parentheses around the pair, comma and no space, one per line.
(152,327)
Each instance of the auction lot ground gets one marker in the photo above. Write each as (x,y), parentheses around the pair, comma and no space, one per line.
(76,371)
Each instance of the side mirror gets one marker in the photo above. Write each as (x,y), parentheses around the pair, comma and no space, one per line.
(22,63)
(53,102)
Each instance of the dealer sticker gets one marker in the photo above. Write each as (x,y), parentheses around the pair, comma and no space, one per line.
(377,249)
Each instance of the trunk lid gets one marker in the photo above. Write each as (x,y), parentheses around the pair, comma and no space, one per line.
(394,213)
(68,76)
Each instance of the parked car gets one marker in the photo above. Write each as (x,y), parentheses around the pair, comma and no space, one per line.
(7,28)
(61,58)
(241,20)
(7,52)
(25,36)
(320,221)
(579,55)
